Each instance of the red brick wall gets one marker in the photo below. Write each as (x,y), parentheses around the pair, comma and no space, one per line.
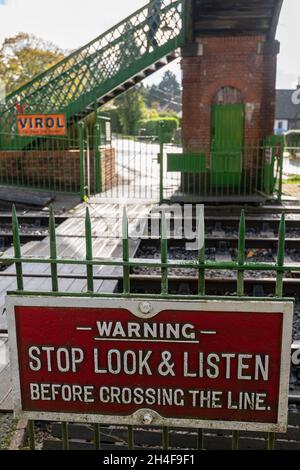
(246,63)
(53,170)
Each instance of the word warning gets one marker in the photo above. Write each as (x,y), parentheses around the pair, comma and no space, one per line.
(221,363)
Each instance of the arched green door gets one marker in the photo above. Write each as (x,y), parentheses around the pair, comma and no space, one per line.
(227,142)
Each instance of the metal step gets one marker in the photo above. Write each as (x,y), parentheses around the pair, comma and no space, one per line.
(127,85)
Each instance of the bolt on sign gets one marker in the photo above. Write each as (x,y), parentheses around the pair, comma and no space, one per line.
(204,364)
(41,124)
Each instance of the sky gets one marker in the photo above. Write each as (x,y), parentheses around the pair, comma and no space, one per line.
(72,23)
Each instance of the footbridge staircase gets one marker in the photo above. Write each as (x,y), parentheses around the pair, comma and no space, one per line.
(105,67)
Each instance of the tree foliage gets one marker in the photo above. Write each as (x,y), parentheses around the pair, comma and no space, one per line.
(170,85)
(24,56)
(131,109)
(166,95)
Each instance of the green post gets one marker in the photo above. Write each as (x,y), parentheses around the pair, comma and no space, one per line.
(279,291)
(201,253)
(17,249)
(235,440)
(97,437)
(53,250)
(241,254)
(271,441)
(280,257)
(82,165)
(89,251)
(165,438)
(97,152)
(65,436)
(161,161)
(130,438)
(31,436)
(240,290)
(126,269)
(164,255)
(201,289)
(280,174)
(200,439)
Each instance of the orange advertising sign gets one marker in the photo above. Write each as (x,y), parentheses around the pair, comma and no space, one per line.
(41,124)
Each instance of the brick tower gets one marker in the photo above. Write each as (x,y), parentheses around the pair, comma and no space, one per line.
(229,77)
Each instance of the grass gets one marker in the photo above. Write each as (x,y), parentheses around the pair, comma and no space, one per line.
(293,180)
(8,426)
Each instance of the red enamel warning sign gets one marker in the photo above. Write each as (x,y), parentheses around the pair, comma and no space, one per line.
(222,364)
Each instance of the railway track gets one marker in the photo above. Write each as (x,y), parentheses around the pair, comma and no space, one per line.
(6,239)
(292,243)
(31,217)
(150,283)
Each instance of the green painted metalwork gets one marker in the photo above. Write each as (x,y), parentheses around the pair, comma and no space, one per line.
(89,251)
(241,254)
(165,438)
(226,173)
(201,256)
(17,249)
(271,441)
(98,168)
(161,161)
(280,257)
(164,256)
(126,268)
(82,163)
(187,162)
(65,436)
(130,438)
(200,266)
(97,437)
(273,164)
(235,440)
(200,440)
(53,250)
(93,72)
(31,435)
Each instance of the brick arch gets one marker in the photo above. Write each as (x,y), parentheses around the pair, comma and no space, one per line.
(213,89)
(228,95)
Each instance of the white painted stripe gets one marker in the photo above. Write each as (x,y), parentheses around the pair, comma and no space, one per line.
(146,340)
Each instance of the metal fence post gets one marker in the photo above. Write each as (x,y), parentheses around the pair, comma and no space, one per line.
(82,165)
(53,250)
(280,174)
(88,165)
(17,249)
(97,151)
(161,161)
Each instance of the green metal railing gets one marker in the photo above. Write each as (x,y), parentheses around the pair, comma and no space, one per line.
(201,265)
(76,83)
(139,168)
(234,173)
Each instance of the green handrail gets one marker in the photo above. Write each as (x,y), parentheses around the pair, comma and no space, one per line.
(73,85)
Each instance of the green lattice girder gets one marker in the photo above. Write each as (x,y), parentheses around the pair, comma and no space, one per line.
(86,76)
